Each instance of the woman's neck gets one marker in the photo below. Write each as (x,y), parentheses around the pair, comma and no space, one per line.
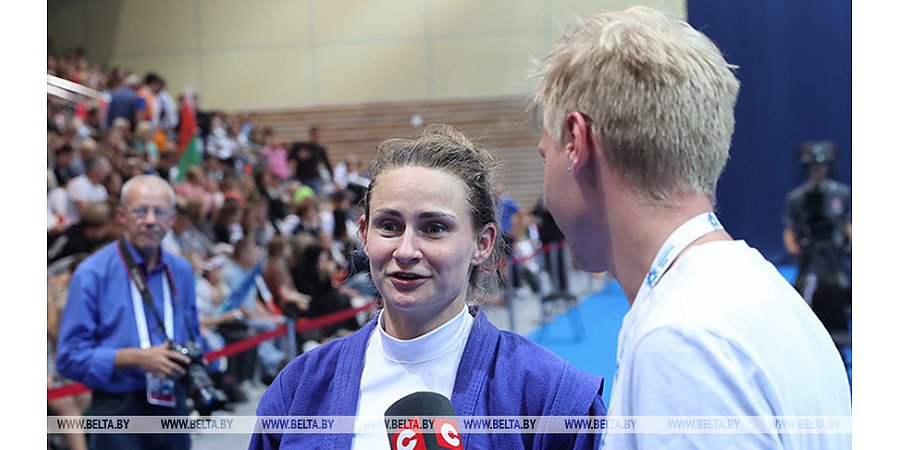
(410,324)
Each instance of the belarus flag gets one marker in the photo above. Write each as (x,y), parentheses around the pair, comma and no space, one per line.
(188,151)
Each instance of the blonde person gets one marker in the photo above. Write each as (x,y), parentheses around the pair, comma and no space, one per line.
(432,252)
(637,111)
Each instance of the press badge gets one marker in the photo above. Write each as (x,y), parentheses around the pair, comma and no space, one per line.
(160,391)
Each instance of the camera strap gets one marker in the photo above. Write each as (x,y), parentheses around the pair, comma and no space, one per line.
(140,296)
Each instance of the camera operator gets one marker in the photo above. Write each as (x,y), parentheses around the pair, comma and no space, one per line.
(818,231)
(121,325)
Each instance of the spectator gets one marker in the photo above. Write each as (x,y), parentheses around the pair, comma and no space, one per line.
(274,155)
(213,169)
(185,233)
(166,116)
(94,121)
(132,370)
(345,228)
(87,149)
(120,137)
(152,85)
(255,222)
(525,250)
(220,142)
(211,292)
(227,226)
(509,215)
(63,168)
(346,172)
(86,236)
(313,274)
(89,188)
(81,130)
(113,185)
(167,166)
(308,211)
(195,188)
(61,212)
(310,160)
(244,158)
(278,278)
(242,274)
(231,190)
(227,322)
(144,143)
(552,237)
(55,117)
(273,193)
(125,102)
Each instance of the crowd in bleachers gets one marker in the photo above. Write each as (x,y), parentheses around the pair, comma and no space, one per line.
(269,226)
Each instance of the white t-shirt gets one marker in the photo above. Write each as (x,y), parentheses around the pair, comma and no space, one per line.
(395,368)
(60,208)
(80,188)
(724,334)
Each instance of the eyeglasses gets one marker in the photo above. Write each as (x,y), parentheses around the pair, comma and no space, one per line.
(142,212)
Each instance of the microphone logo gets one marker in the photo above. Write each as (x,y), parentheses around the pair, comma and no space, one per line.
(409,436)
(447,434)
(422,421)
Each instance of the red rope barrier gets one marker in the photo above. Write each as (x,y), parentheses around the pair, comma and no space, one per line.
(66,390)
(301,325)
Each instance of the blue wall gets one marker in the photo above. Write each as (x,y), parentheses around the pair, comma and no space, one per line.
(795,74)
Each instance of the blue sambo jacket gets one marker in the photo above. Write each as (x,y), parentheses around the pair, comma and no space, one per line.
(500,374)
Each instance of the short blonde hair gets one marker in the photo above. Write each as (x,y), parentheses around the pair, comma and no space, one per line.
(658,94)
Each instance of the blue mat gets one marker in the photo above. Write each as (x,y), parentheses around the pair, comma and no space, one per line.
(602,313)
(595,353)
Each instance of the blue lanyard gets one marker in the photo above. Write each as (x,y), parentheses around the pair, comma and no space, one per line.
(680,239)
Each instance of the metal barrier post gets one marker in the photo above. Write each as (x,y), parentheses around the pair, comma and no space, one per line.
(290,347)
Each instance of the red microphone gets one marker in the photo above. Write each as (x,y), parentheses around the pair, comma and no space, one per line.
(422,421)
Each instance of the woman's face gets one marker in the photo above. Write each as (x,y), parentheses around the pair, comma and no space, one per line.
(420,242)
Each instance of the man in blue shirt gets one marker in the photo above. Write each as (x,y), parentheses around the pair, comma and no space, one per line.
(125,102)
(115,341)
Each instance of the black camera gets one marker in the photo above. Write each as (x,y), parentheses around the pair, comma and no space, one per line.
(818,152)
(816,228)
(206,397)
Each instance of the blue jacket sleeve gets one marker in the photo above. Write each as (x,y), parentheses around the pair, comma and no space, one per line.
(79,355)
(271,404)
(580,395)
(591,440)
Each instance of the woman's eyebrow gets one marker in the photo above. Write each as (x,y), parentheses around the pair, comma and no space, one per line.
(422,215)
(436,215)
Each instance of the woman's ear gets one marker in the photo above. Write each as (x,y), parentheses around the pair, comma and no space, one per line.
(362,230)
(484,244)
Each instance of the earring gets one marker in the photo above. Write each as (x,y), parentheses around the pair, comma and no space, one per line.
(568,168)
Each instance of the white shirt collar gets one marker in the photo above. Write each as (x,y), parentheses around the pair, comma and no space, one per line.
(429,346)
